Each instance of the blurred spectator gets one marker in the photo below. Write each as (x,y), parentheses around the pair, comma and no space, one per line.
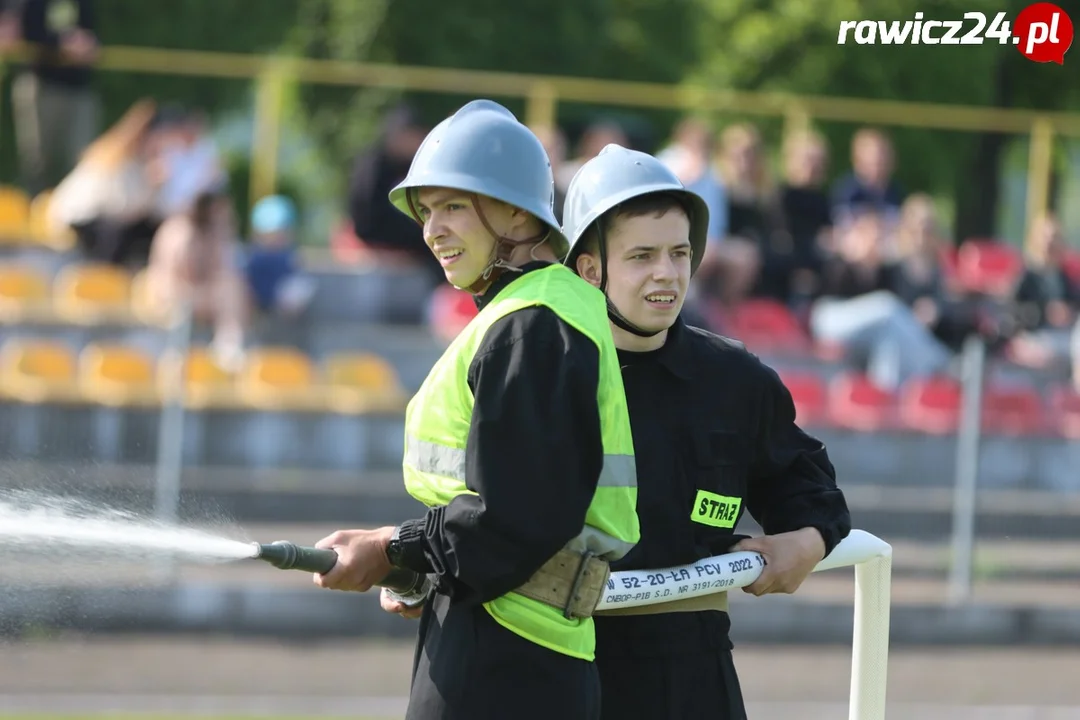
(55,107)
(870,185)
(386,235)
(110,198)
(10,24)
(918,278)
(807,213)
(596,137)
(690,157)
(753,210)
(187,159)
(192,264)
(859,311)
(555,144)
(1046,299)
(274,278)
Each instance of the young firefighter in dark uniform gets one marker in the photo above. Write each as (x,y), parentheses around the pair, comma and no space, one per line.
(715,436)
(518,441)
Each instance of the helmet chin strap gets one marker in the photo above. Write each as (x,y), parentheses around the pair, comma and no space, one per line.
(504,247)
(616,317)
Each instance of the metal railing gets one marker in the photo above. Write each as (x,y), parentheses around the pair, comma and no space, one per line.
(543,93)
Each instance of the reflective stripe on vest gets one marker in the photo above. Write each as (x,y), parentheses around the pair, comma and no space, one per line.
(437,424)
(435,459)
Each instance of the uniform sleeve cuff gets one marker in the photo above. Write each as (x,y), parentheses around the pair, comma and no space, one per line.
(411,535)
(832,536)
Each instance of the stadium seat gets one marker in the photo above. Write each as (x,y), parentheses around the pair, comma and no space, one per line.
(92,293)
(809,395)
(24,294)
(451,311)
(37,371)
(41,228)
(206,383)
(1011,411)
(363,382)
(117,375)
(931,405)
(988,267)
(855,403)
(279,378)
(14,215)
(1071,265)
(1064,405)
(767,326)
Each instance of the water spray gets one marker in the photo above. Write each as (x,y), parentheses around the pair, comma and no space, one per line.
(408,586)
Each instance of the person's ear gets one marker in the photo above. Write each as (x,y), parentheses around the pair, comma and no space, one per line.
(588,267)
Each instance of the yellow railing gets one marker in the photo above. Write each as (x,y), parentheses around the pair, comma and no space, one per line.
(543,93)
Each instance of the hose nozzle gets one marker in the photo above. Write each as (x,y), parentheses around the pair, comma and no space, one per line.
(285,555)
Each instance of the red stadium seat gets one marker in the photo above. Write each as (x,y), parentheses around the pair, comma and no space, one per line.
(988,267)
(931,405)
(857,404)
(1011,411)
(1071,265)
(451,311)
(1064,405)
(767,326)
(809,395)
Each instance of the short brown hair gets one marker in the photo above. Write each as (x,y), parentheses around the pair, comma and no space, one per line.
(656,204)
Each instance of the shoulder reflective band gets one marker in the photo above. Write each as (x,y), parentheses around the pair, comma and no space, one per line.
(715,510)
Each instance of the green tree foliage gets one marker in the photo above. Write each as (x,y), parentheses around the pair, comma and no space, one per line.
(778,45)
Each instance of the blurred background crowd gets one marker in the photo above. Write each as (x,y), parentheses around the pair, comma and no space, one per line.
(817,250)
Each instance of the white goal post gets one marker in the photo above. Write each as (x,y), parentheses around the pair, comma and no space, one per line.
(872,558)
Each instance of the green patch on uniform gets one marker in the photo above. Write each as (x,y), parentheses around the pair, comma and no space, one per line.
(715,510)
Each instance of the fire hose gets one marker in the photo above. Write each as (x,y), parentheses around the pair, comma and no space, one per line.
(625,588)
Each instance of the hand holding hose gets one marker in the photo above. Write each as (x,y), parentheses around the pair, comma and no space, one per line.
(791,557)
(392,603)
(362,561)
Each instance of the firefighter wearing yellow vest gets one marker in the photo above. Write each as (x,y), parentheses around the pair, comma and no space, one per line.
(518,442)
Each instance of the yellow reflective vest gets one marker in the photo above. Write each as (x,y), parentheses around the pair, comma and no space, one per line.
(437,423)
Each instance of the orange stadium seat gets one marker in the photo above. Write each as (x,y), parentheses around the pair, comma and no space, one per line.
(363,381)
(206,383)
(38,371)
(279,378)
(14,215)
(24,293)
(92,293)
(117,375)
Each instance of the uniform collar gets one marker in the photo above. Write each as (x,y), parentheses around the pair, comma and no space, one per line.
(675,355)
(505,279)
